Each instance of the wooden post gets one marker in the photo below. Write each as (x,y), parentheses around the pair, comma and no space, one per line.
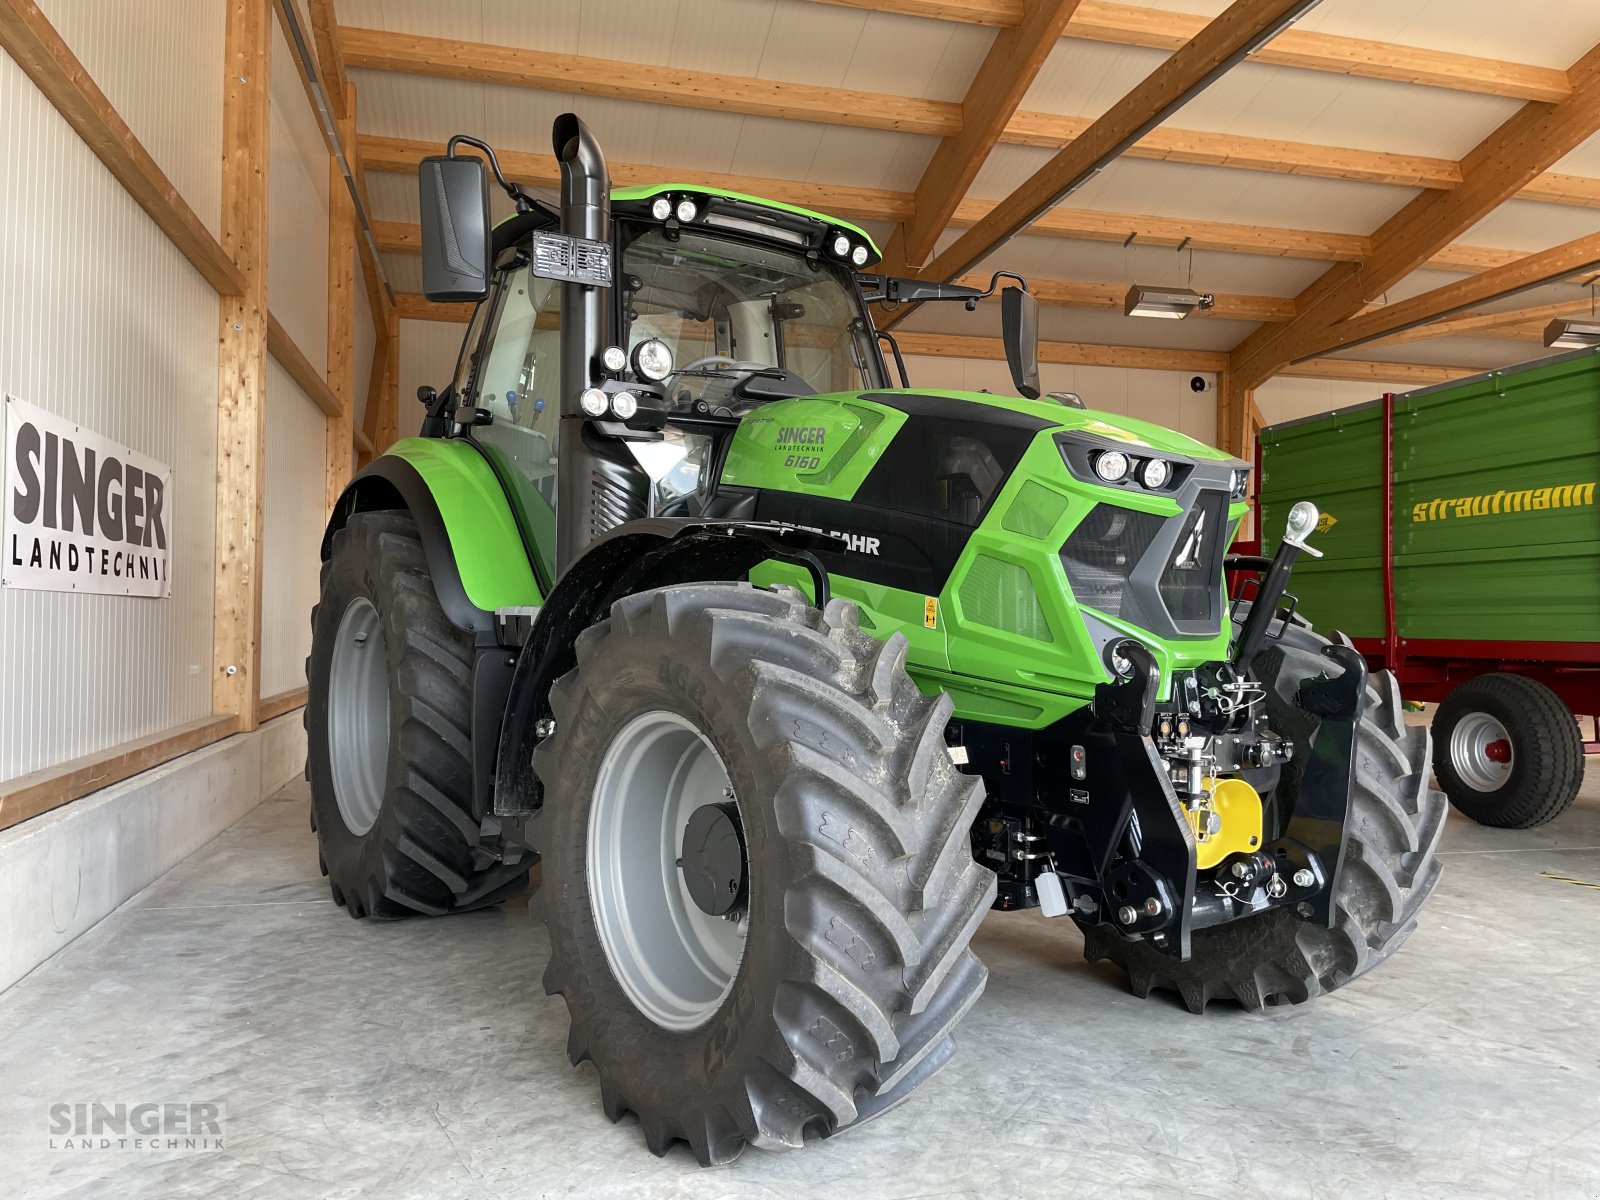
(341,312)
(390,423)
(242,365)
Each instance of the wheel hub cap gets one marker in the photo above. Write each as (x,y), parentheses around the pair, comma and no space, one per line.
(713,863)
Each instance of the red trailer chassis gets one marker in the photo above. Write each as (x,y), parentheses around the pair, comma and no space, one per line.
(1428,668)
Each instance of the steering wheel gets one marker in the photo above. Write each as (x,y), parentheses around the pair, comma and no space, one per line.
(722,361)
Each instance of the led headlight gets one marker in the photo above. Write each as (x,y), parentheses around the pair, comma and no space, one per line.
(1155,472)
(859,256)
(593,402)
(687,211)
(623,405)
(661,208)
(1241,481)
(841,246)
(652,360)
(1111,465)
(614,358)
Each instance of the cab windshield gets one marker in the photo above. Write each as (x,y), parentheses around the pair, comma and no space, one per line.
(745,322)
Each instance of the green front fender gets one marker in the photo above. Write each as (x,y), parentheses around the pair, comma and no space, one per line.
(476,552)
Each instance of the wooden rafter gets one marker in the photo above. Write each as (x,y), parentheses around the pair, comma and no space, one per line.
(1147,358)
(1008,71)
(400,237)
(330,56)
(1244,24)
(299,368)
(29,38)
(967,131)
(1527,144)
(1515,324)
(409,306)
(1535,270)
(1109,297)
(1164,29)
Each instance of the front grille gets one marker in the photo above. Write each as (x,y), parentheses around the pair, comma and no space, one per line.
(1163,574)
(1189,585)
(1101,555)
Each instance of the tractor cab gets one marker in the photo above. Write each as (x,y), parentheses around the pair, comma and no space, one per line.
(648,334)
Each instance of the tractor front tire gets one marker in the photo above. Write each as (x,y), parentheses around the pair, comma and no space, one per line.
(795,964)
(1390,868)
(1507,751)
(388,736)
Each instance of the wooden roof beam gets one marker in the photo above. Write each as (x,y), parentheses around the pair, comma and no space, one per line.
(1110,297)
(1163,29)
(1008,71)
(1241,27)
(967,131)
(1526,145)
(1082,224)
(1535,270)
(330,56)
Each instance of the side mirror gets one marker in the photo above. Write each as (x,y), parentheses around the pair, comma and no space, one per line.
(456,234)
(1019,329)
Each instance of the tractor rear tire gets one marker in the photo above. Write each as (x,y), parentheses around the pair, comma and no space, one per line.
(1542,766)
(829,991)
(1389,871)
(388,735)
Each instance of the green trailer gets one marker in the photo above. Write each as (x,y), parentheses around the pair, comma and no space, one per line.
(1461,542)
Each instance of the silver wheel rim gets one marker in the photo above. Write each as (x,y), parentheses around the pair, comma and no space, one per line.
(675,962)
(358,715)
(1481,752)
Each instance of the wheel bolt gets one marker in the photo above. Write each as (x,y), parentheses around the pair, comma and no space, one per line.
(1127,914)
(1304,878)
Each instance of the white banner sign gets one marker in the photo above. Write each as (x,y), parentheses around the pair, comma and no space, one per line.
(83,514)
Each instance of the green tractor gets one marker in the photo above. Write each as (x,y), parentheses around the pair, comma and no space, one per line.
(785,675)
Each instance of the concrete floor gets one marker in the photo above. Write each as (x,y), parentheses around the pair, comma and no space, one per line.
(422,1060)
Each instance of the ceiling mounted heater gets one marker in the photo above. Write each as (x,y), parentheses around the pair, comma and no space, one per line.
(1571,335)
(1170,304)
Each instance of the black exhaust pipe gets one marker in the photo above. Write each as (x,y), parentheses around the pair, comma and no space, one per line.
(599,480)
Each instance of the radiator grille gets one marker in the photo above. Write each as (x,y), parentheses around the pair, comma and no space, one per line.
(1102,553)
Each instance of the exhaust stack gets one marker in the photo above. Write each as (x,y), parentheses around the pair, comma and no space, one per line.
(598,479)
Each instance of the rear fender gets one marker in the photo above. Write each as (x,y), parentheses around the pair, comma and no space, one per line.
(475,550)
(635,557)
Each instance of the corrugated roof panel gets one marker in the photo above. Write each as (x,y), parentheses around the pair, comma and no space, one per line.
(911,57)
(1529,225)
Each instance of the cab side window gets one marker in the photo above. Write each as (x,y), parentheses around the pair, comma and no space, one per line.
(519,378)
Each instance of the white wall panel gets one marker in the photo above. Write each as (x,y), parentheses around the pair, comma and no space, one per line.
(160,65)
(105,323)
(427,355)
(294,513)
(297,212)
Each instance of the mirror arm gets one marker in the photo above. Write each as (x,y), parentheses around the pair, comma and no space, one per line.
(519,197)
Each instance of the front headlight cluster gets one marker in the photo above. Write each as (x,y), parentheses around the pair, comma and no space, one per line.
(855,252)
(1241,482)
(1114,466)
(595,403)
(684,208)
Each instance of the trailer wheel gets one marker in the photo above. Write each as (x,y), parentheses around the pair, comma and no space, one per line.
(1390,868)
(388,741)
(1507,751)
(757,880)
